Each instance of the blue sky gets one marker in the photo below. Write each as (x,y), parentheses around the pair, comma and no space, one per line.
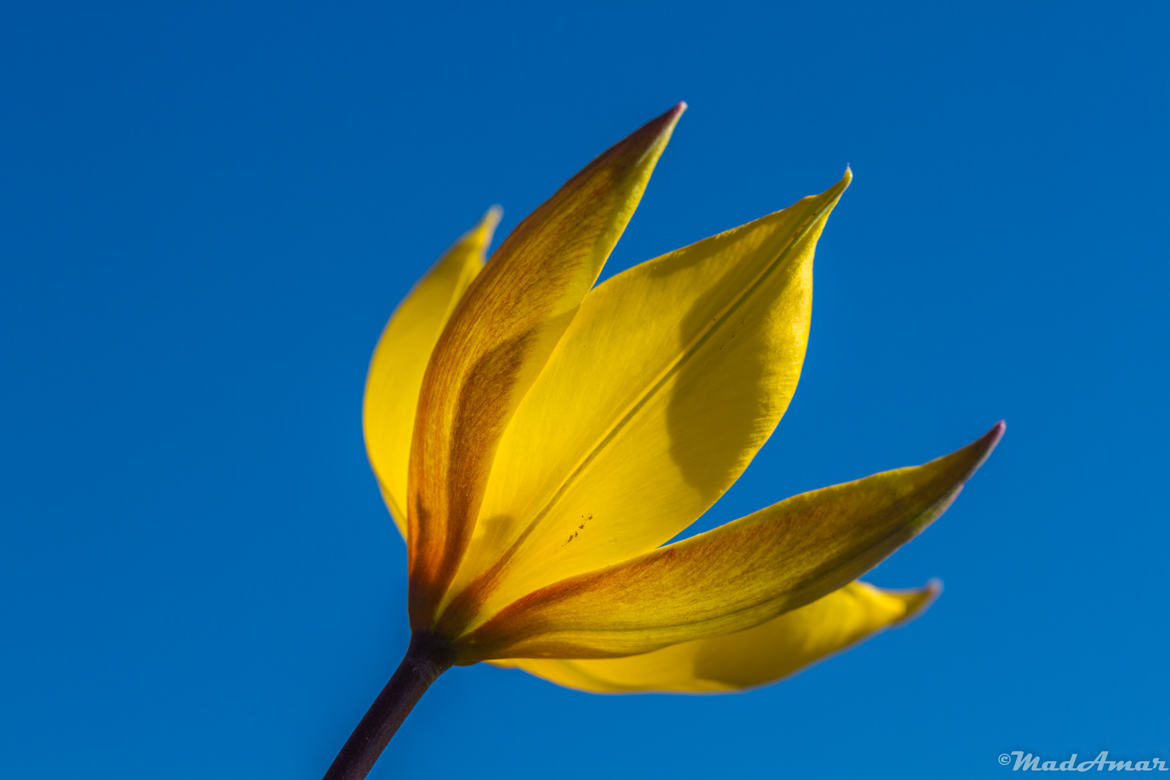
(208,212)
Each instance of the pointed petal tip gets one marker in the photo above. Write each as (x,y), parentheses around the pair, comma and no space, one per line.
(992,437)
(483,230)
(920,600)
(975,454)
(843,184)
(665,123)
(930,592)
(834,193)
(491,218)
(641,149)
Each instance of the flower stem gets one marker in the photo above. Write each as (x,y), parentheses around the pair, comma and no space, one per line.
(424,661)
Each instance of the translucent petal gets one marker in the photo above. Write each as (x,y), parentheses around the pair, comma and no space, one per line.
(396,369)
(498,340)
(734,577)
(667,382)
(769,652)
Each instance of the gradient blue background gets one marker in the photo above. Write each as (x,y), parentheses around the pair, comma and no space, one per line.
(208,212)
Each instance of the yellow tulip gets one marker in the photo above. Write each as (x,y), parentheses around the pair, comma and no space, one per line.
(540,440)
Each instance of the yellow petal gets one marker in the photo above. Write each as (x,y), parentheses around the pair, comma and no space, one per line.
(757,656)
(396,369)
(497,341)
(670,378)
(734,577)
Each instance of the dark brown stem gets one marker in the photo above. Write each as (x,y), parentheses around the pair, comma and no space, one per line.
(425,660)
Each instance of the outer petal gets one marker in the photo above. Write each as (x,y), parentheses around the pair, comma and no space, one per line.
(734,577)
(498,339)
(767,653)
(396,369)
(670,378)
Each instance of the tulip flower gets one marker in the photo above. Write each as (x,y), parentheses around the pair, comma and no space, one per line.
(540,440)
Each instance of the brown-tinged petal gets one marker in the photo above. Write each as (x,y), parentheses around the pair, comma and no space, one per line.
(396,369)
(496,342)
(756,656)
(667,382)
(734,577)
